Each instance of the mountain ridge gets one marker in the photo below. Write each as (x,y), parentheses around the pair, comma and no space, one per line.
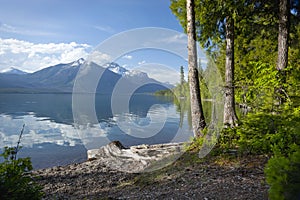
(60,78)
(13,70)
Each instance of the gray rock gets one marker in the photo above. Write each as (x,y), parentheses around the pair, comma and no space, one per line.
(136,158)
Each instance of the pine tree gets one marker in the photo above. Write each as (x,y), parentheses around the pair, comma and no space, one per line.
(182,81)
(215,26)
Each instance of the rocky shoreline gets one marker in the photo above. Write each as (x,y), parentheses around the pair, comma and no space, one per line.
(187,178)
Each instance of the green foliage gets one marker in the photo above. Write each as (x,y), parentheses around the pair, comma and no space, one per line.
(163,93)
(274,134)
(270,126)
(205,144)
(210,18)
(196,143)
(181,89)
(15,180)
(256,89)
(282,174)
(263,133)
(294,51)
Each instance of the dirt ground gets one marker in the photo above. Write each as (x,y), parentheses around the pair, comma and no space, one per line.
(215,177)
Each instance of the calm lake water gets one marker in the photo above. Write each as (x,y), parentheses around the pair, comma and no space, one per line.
(52,138)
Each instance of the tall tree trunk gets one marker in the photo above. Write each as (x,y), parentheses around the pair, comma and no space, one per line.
(198,121)
(230,117)
(283,34)
(283,47)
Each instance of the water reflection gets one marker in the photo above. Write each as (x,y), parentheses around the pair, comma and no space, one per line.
(51,138)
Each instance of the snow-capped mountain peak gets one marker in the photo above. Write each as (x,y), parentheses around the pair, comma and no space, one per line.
(136,73)
(61,78)
(77,62)
(12,70)
(114,67)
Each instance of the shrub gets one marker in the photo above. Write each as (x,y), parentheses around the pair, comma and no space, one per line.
(264,133)
(16,181)
(277,135)
(283,177)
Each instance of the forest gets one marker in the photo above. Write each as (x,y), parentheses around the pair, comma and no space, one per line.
(256,48)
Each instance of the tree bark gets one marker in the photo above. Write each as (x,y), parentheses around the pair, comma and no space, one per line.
(283,34)
(198,121)
(230,117)
(283,47)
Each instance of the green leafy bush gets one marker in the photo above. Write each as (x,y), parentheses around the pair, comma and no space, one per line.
(195,144)
(15,180)
(282,174)
(276,134)
(264,133)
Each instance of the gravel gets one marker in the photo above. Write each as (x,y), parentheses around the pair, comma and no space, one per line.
(214,177)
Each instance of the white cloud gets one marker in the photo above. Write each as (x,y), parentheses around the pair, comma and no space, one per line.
(30,57)
(99,58)
(128,57)
(44,130)
(7,28)
(160,72)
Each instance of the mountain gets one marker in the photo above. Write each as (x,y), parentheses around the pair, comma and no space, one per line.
(77,62)
(13,70)
(114,67)
(115,75)
(61,77)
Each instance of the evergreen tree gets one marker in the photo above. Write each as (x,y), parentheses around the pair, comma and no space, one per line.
(215,22)
(182,81)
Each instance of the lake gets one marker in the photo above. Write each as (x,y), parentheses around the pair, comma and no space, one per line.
(51,136)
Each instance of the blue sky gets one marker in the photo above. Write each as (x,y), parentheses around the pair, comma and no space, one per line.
(81,21)
(39,33)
